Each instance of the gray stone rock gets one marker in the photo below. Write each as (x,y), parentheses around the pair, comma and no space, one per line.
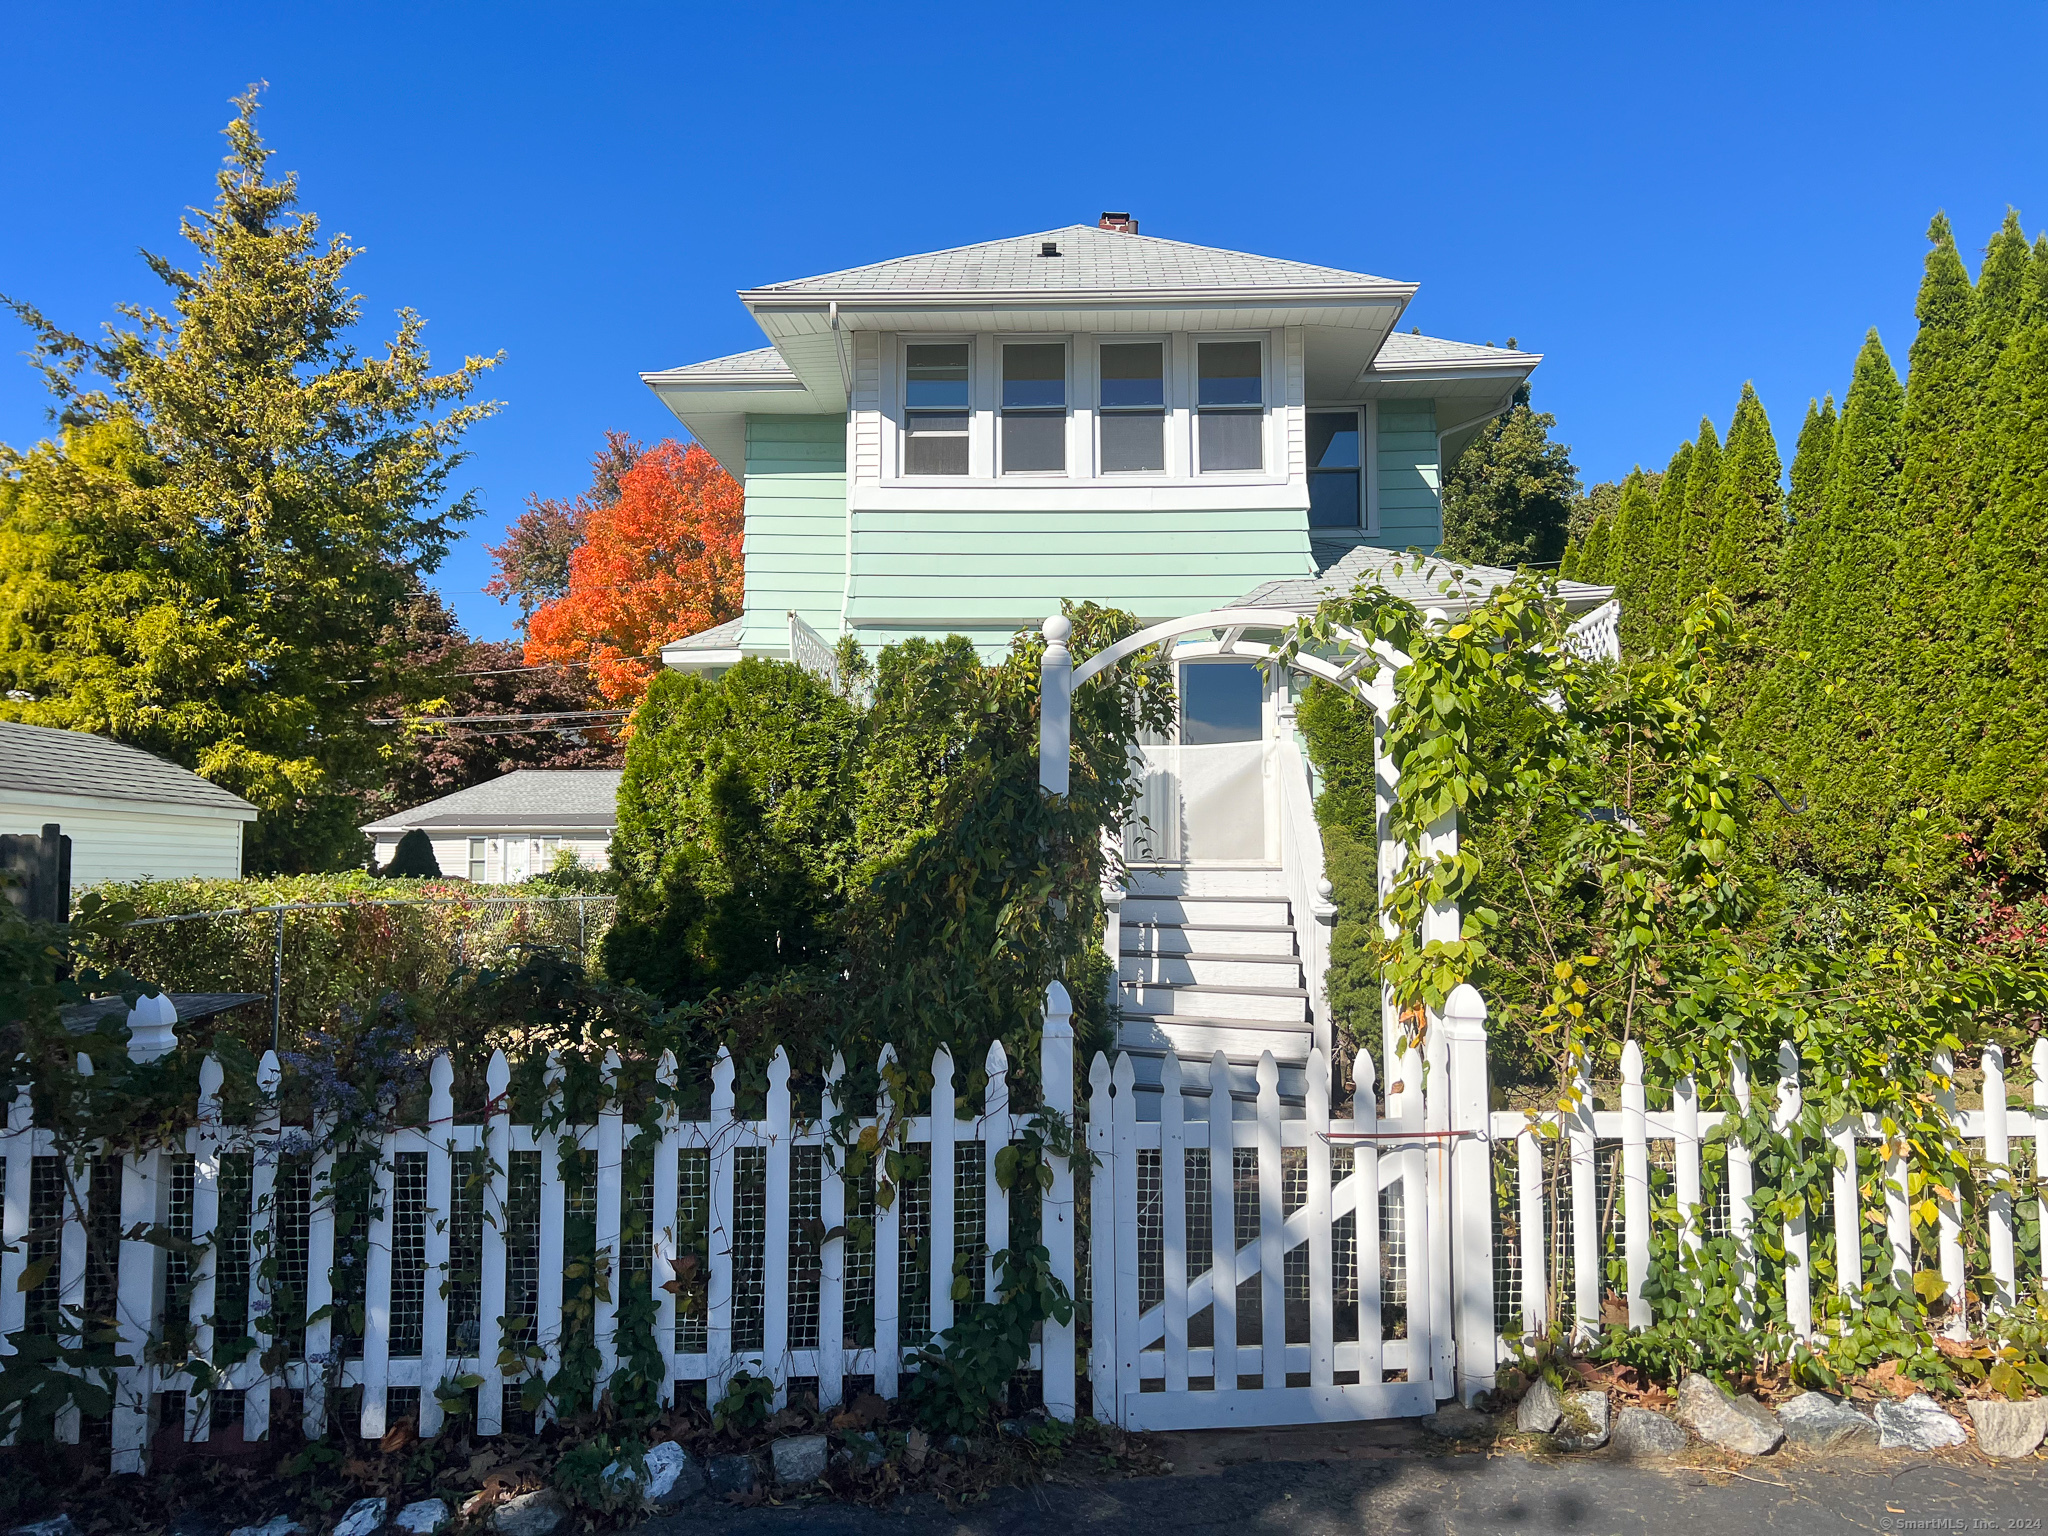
(1539,1410)
(422,1517)
(1584,1424)
(365,1517)
(1739,1424)
(1454,1421)
(1820,1422)
(529,1514)
(864,1451)
(276,1525)
(953,1445)
(1642,1435)
(799,1458)
(1917,1424)
(2007,1429)
(730,1474)
(673,1475)
(56,1525)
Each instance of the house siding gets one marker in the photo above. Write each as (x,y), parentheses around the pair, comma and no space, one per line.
(796,526)
(1405,462)
(451,853)
(133,844)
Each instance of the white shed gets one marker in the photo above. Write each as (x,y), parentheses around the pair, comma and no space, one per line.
(129,815)
(514,826)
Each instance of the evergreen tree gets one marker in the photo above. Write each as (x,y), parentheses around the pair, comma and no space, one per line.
(1744,560)
(208,562)
(1806,553)
(1702,520)
(413,858)
(1930,625)
(1846,752)
(2005,283)
(1592,563)
(1660,551)
(1508,498)
(1635,511)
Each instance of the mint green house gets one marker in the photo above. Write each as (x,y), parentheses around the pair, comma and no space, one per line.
(954,443)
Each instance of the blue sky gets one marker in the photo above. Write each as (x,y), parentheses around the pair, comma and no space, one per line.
(1664,200)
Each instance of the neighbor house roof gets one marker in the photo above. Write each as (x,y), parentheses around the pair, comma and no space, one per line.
(527,798)
(1425,587)
(1090,259)
(39,759)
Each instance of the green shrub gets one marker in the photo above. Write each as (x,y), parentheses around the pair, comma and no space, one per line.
(413,859)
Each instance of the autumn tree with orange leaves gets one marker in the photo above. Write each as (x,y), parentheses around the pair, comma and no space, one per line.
(659,562)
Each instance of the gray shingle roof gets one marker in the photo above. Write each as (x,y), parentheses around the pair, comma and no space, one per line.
(1090,259)
(719,637)
(1406,347)
(34,757)
(1424,588)
(526,797)
(762,360)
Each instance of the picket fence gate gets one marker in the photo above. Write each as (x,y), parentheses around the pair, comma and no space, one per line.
(758,1189)
(1572,1232)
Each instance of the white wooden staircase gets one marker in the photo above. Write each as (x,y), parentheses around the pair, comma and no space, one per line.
(1210,960)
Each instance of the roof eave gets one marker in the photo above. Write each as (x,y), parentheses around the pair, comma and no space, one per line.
(897,300)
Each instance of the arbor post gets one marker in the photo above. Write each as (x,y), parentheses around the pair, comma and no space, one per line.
(1471,1203)
(1055,705)
(1056,1092)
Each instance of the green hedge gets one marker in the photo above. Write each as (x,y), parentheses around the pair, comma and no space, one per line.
(345,956)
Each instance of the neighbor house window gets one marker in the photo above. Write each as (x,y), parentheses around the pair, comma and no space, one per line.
(935,408)
(1334,485)
(476,860)
(1133,409)
(549,847)
(1230,401)
(1034,408)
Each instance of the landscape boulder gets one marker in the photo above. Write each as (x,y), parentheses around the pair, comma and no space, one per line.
(1740,1424)
(1819,1422)
(1454,1421)
(799,1458)
(1917,1424)
(529,1514)
(365,1517)
(1539,1409)
(56,1525)
(422,1517)
(667,1475)
(276,1525)
(2007,1429)
(730,1474)
(1642,1434)
(1583,1425)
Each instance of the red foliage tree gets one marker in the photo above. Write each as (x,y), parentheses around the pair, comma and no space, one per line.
(533,562)
(660,562)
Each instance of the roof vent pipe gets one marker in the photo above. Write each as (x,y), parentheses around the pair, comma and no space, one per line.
(1122,223)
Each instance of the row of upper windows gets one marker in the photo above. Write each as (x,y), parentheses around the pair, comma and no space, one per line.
(1130,411)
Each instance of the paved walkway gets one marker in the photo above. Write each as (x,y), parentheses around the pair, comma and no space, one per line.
(1363,1481)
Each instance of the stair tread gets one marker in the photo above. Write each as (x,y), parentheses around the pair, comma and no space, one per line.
(1210,1021)
(1210,954)
(1212,927)
(1275,901)
(1219,986)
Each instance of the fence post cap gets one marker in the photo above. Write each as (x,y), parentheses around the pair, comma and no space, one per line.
(152,1028)
(1059,1009)
(1464,1013)
(1058,630)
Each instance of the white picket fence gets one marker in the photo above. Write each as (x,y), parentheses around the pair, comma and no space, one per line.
(1568,1231)
(748,1196)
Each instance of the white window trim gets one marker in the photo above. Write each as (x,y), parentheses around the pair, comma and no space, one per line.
(1267,390)
(1097,411)
(905,340)
(1368,497)
(1009,339)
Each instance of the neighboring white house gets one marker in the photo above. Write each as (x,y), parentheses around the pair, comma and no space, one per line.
(515,826)
(129,815)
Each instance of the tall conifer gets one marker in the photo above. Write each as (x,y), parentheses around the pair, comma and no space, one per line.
(1660,553)
(1702,519)
(1846,741)
(1744,558)
(1592,562)
(1635,512)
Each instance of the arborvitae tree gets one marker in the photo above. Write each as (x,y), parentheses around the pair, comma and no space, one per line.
(1744,559)
(1846,748)
(2004,793)
(413,859)
(1659,554)
(1635,513)
(1702,519)
(1806,552)
(1508,498)
(2005,284)
(1929,614)
(1592,563)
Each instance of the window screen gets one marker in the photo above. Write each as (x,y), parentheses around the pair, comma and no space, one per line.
(476,859)
(1133,409)
(935,408)
(1230,399)
(1034,408)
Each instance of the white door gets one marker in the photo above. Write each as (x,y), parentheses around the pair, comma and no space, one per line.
(518,859)
(1204,796)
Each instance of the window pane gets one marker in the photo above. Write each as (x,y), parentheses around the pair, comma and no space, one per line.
(935,373)
(1133,442)
(1333,499)
(936,445)
(1035,375)
(1230,374)
(1220,701)
(1333,440)
(1034,444)
(1230,440)
(1133,374)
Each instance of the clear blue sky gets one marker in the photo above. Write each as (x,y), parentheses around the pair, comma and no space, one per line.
(1664,200)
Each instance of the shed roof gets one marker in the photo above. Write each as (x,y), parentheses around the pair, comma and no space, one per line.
(525,798)
(1090,259)
(38,758)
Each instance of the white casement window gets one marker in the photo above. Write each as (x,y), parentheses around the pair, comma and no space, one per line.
(1131,407)
(935,407)
(1230,406)
(478,870)
(1034,412)
(1336,460)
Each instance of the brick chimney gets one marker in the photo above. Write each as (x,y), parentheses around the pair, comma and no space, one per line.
(1122,223)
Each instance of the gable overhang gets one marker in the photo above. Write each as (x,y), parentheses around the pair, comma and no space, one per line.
(1468,394)
(715,407)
